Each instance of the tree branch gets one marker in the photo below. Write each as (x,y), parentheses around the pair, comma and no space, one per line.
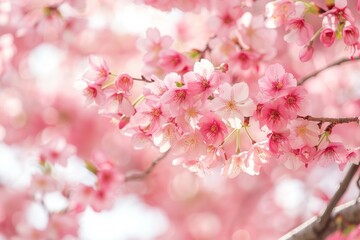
(330,120)
(319,228)
(144,174)
(304,79)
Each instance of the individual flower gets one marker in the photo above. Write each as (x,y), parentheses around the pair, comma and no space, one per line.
(253,34)
(191,144)
(333,152)
(307,154)
(276,82)
(303,133)
(177,96)
(350,34)
(166,137)
(294,100)
(203,80)
(274,115)
(279,142)
(98,72)
(172,61)
(212,129)
(56,151)
(124,83)
(153,44)
(328,33)
(150,116)
(258,155)
(236,165)
(298,31)
(246,59)
(291,160)
(118,103)
(233,103)
(277,12)
(227,14)
(94,93)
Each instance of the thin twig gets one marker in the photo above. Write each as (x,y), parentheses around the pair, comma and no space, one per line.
(319,228)
(304,79)
(142,175)
(330,120)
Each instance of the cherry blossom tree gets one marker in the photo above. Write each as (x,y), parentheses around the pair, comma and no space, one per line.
(237,119)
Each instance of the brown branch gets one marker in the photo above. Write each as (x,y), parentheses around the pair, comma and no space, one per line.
(144,174)
(318,228)
(143,79)
(304,79)
(206,49)
(330,120)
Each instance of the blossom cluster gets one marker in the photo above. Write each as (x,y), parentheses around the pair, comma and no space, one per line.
(338,22)
(195,114)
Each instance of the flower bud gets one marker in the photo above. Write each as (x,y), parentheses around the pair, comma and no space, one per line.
(350,34)
(306,53)
(327,37)
(124,82)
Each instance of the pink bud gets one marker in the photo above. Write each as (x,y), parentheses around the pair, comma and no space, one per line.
(124,82)
(306,53)
(327,37)
(350,34)
(224,67)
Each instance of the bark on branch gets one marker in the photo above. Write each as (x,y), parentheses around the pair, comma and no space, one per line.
(319,228)
(146,172)
(304,79)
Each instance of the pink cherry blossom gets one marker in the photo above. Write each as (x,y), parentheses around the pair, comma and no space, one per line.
(235,166)
(117,103)
(150,116)
(276,82)
(177,96)
(172,61)
(294,100)
(350,34)
(328,34)
(166,137)
(190,143)
(278,11)
(303,133)
(333,152)
(233,103)
(274,115)
(98,72)
(253,33)
(246,59)
(124,82)
(212,129)
(307,154)
(56,151)
(94,93)
(225,20)
(203,80)
(279,142)
(299,31)
(258,155)
(153,44)
(291,160)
